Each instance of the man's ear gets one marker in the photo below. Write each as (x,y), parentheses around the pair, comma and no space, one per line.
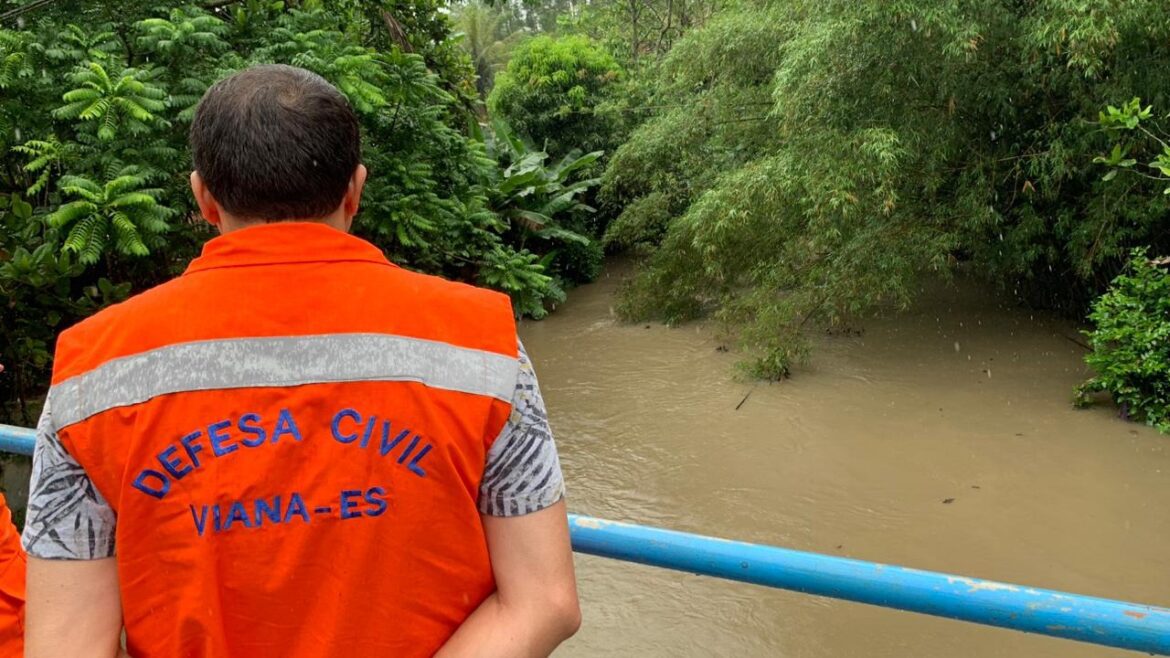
(353,194)
(208,207)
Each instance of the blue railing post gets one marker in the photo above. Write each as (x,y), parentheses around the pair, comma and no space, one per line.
(1085,618)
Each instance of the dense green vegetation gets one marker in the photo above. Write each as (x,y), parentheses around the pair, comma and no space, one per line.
(1131,342)
(813,158)
(95,102)
(781,165)
(556,91)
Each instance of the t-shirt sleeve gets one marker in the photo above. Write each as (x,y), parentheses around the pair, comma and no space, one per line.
(523,472)
(67,517)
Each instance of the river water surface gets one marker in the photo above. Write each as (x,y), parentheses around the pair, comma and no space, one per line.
(960,399)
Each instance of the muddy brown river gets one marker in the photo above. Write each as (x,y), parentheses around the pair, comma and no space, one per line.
(960,399)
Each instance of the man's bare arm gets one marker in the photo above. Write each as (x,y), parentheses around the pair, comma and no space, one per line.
(74,609)
(535,605)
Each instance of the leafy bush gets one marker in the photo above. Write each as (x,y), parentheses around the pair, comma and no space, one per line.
(1130,124)
(38,284)
(641,223)
(1131,342)
(95,103)
(121,211)
(521,275)
(555,92)
(546,203)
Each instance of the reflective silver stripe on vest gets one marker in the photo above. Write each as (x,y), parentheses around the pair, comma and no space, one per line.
(282,361)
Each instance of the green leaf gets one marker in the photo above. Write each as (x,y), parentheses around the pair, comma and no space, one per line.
(532,220)
(557,233)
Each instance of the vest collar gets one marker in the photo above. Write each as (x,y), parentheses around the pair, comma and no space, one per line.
(284,242)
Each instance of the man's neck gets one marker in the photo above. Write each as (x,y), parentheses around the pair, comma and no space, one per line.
(335,220)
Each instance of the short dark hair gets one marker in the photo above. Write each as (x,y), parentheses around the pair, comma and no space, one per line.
(275,142)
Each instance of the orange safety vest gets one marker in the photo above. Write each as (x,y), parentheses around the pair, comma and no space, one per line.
(292,435)
(12,567)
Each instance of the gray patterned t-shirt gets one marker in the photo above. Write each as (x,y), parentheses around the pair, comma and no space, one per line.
(68,519)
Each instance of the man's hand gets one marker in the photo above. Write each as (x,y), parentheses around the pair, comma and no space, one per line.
(535,605)
(74,609)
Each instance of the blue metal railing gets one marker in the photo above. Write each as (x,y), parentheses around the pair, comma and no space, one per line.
(17,440)
(1072,616)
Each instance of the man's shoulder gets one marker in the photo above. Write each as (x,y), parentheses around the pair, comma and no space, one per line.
(459,295)
(435,308)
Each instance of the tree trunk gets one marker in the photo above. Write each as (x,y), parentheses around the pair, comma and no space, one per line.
(397,33)
(634,31)
(665,28)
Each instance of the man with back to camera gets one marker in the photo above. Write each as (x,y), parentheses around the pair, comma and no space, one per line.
(295,449)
